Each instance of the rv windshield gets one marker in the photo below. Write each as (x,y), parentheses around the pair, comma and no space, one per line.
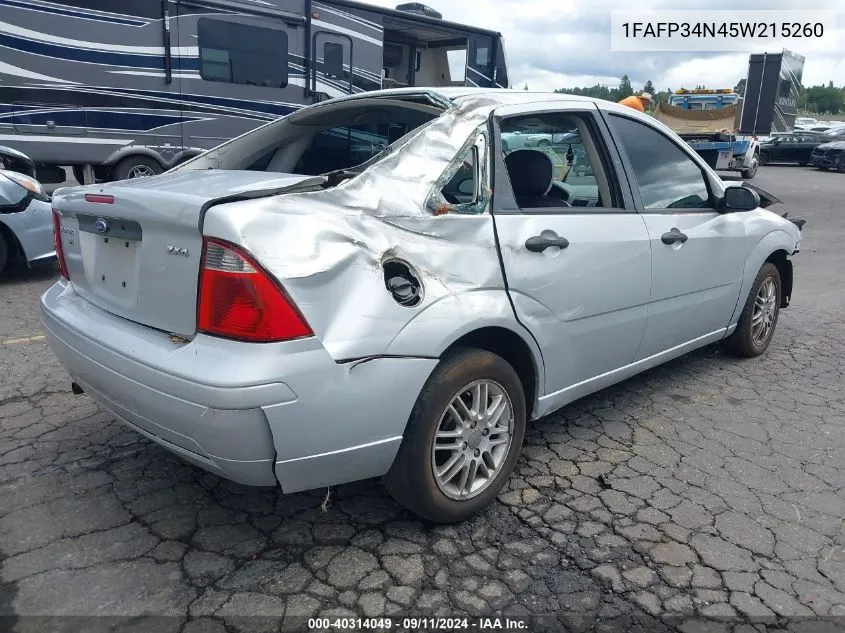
(328,138)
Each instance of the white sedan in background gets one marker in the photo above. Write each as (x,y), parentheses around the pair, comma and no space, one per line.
(26,222)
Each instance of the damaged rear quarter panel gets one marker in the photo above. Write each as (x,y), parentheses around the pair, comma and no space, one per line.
(327,247)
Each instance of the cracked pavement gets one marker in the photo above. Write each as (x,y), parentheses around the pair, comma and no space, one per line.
(706,488)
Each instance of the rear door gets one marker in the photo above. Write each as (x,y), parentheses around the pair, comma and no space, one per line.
(578,276)
(778,152)
(806,144)
(698,254)
(789,149)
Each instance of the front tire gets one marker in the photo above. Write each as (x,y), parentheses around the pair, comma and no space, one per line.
(764,159)
(749,173)
(463,438)
(759,316)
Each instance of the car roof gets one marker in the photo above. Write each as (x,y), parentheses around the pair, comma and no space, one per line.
(462,93)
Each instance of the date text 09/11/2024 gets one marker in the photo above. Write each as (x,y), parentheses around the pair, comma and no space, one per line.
(415,624)
(733,30)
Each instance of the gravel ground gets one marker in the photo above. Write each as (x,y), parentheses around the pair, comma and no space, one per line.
(707,488)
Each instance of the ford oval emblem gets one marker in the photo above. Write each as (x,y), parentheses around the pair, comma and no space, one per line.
(101,225)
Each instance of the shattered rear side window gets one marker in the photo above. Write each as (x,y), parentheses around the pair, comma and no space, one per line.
(462,188)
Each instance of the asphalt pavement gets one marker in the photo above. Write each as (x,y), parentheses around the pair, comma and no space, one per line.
(707,488)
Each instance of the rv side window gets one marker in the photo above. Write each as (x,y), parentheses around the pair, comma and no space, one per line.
(333,59)
(482,56)
(242,53)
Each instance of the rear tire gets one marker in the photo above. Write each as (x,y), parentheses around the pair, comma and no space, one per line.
(841,166)
(759,317)
(136,167)
(487,395)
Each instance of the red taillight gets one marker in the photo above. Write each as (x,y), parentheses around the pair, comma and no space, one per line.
(99,197)
(239,300)
(57,241)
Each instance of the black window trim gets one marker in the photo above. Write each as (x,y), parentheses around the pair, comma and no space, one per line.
(632,177)
(623,201)
(222,19)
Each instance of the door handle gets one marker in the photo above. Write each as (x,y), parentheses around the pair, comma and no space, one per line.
(673,236)
(546,239)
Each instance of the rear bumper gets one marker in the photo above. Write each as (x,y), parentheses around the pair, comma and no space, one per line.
(252,413)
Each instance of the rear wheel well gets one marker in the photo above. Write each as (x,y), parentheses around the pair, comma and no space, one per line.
(784,266)
(509,346)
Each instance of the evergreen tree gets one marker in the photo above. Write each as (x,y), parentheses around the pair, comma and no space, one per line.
(625,89)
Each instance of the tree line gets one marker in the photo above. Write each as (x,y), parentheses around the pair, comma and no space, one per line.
(812,100)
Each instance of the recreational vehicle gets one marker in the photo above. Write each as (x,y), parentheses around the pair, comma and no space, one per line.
(129,89)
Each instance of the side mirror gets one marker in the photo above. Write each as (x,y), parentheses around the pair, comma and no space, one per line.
(738,198)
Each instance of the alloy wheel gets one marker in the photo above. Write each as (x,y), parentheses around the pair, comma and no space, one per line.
(472,439)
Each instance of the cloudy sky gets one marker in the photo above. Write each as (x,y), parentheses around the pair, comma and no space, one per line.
(566,43)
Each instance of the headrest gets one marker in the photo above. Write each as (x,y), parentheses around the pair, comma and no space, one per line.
(531,172)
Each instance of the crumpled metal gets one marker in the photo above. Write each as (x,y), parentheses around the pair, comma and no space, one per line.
(327,247)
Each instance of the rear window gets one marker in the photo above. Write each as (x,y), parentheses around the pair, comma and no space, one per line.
(345,147)
(238,53)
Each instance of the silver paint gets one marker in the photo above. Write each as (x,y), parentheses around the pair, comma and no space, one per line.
(33,229)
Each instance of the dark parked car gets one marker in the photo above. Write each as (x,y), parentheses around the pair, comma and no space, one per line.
(795,147)
(830,156)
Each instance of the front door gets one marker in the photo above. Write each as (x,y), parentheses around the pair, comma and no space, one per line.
(577,263)
(698,254)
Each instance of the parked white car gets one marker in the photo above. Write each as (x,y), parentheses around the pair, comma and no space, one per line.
(26,223)
(281,323)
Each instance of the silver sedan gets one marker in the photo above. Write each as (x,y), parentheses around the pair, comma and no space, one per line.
(373,287)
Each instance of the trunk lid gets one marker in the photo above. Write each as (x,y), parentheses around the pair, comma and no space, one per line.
(138,257)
